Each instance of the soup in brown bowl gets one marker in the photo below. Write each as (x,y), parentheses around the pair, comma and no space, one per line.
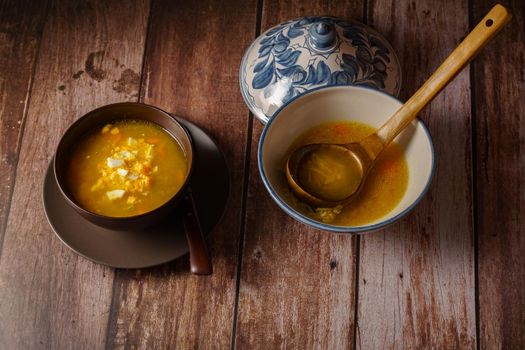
(126,168)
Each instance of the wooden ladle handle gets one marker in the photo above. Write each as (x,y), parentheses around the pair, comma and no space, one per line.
(489,26)
(200,261)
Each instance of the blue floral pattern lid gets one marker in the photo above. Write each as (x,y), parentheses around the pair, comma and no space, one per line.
(294,57)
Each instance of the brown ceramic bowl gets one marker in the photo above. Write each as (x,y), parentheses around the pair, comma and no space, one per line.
(97,119)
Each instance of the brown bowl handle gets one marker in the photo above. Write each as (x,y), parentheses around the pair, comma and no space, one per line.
(200,261)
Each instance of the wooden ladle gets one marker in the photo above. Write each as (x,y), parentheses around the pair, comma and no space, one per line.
(356,159)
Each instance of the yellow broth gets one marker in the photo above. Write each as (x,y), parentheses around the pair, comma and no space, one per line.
(384,187)
(126,168)
(329,173)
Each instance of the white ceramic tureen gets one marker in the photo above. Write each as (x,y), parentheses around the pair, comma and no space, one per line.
(312,52)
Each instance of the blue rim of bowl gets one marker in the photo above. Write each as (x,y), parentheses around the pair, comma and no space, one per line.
(334,228)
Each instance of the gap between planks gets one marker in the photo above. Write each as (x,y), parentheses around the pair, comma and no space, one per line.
(473,154)
(245,189)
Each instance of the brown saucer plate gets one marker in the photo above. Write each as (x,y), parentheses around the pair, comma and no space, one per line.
(210,184)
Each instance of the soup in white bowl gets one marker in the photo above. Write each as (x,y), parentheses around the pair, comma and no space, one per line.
(343,104)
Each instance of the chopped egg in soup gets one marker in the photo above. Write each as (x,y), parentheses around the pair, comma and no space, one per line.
(126,168)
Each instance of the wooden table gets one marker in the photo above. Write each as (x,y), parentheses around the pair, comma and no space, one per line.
(449,275)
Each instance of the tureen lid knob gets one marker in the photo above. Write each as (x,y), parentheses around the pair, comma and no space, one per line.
(322,35)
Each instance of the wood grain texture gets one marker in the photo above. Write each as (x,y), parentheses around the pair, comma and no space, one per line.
(21,25)
(50,297)
(297,284)
(191,69)
(499,82)
(416,285)
(297,287)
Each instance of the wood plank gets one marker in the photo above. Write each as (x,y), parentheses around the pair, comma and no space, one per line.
(499,76)
(416,278)
(21,25)
(297,284)
(192,65)
(51,298)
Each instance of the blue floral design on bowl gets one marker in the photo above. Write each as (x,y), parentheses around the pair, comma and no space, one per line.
(297,56)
